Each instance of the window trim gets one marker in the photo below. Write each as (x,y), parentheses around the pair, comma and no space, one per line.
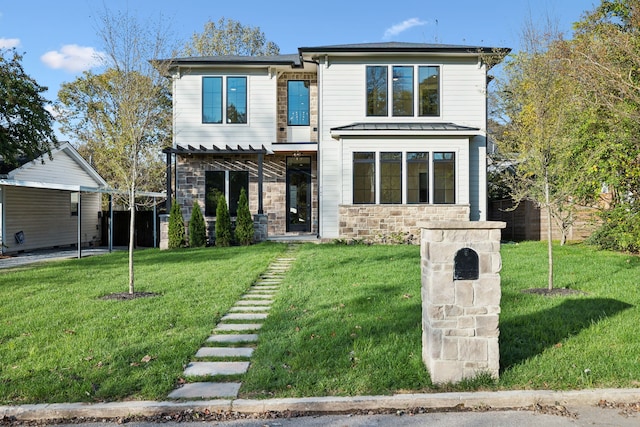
(224,100)
(389,100)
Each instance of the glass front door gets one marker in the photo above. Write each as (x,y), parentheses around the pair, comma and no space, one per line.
(299,194)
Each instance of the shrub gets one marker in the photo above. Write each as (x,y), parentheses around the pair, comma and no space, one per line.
(244,222)
(223,223)
(197,227)
(620,230)
(176,227)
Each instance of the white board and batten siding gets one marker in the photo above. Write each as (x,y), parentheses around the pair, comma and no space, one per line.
(260,128)
(342,93)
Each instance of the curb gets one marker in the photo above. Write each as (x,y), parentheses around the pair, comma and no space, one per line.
(325,405)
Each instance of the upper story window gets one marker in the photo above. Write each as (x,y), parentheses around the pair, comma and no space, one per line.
(403,87)
(377,87)
(298,102)
(234,100)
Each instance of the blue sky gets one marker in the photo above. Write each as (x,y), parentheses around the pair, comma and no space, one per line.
(59,38)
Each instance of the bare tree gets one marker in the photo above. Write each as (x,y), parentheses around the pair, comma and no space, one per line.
(124,114)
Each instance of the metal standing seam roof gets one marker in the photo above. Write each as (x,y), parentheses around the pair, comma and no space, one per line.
(405,127)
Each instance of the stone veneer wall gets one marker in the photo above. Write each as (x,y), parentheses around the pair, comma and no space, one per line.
(394,223)
(191,185)
(282,104)
(460,317)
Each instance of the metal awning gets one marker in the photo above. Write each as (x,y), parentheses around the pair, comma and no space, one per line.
(400,128)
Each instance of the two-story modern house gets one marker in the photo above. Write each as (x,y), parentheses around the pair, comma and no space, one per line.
(361,141)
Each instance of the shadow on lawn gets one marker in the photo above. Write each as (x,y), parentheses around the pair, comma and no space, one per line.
(527,336)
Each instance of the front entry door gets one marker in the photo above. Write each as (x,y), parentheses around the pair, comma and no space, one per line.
(299,194)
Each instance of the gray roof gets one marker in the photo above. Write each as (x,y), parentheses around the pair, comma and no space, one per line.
(295,61)
(403,47)
(438,127)
(292,59)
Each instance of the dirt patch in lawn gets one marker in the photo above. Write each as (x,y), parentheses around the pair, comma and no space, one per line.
(124,296)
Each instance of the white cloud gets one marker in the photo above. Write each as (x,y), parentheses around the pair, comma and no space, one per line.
(9,43)
(73,58)
(396,29)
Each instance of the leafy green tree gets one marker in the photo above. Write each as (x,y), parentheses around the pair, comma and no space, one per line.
(244,222)
(540,105)
(229,37)
(125,112)
(223,223)
(605,55)
(197,227)
(26,127)
(176,227)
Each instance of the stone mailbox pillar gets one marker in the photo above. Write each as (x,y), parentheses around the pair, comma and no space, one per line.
(460,299)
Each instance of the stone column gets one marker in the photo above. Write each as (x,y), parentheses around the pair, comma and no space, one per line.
(460,299)
(164,231)
(260,226)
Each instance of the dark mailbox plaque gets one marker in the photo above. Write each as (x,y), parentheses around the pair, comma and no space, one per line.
(465,265)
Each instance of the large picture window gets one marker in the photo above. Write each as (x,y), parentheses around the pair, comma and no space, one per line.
(390,177)
(430,177)
(403,89)
(234,100)
(364,177)
(298,103)
(227,183)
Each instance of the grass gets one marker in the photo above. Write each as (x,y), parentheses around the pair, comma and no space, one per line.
(347,321)
(59,341)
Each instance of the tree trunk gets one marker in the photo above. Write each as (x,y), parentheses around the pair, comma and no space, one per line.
(132,237)
(549,233)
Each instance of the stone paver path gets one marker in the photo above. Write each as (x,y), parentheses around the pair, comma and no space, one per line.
(227,351)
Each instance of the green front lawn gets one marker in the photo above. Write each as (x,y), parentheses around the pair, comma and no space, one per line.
(60,342)
(347,321)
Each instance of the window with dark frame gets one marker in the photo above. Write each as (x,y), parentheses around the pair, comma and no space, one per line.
(377,90)
(298,103)
(444,174)
(403,88)
(235,90)
(236,100)
(391,177)
(418,177)
(216,184)
(212,100)
(364,177)
(402,91)
(429,91)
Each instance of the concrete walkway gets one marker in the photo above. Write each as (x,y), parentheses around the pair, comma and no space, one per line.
(217,367)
